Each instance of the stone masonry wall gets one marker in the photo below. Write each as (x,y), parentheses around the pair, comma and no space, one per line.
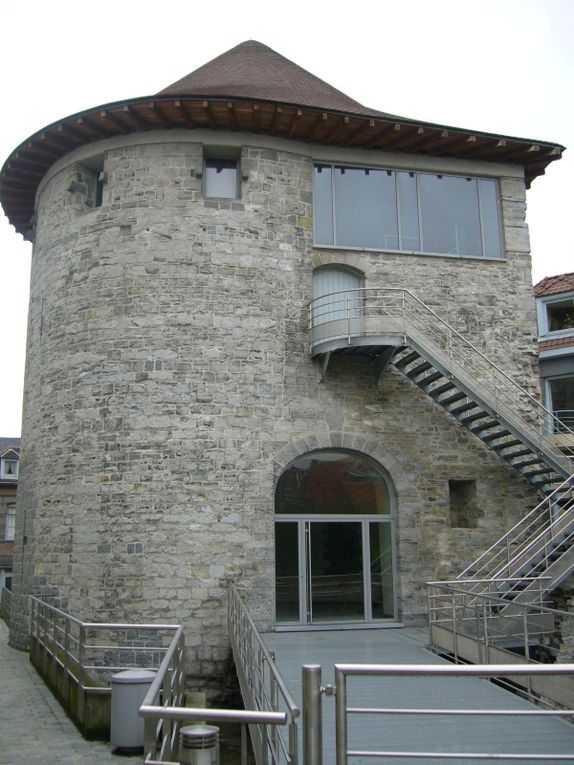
(169,382)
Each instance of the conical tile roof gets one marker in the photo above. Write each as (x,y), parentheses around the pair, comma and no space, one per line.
(252,89)
(253,70)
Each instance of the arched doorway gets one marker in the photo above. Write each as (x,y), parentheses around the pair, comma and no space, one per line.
(334,540)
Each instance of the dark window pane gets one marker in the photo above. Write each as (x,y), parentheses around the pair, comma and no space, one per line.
(323,205)
(221,178)
(449,214)
(336,572)
(408,211)
(381,552)
(365,208)
(488,192)
(560,315)
(329,482)
(287,572)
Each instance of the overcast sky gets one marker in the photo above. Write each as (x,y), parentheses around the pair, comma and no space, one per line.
(501,66)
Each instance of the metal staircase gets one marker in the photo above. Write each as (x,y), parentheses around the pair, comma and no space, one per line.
(392,326)
(539,547)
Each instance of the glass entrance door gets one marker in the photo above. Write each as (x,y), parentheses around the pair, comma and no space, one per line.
(333,541)
(333,571)
(335,582)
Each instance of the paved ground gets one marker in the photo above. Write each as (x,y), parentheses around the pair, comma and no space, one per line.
(34,729)
(415,733)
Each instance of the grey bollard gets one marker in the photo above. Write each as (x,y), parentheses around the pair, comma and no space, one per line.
(199,745)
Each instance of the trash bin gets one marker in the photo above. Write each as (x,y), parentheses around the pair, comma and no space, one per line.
(128,692)
(199,745)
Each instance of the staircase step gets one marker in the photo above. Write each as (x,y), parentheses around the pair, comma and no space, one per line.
(453,398)
(462,407)
(419,369)
(538,471)
(505,445)
(404,361)
(482,428)
(526,463)
(440,389)
(470,418)
(495,436)
(429,379)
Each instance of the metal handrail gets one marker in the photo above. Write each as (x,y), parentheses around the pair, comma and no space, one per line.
(66,639)
(412,318)
(262,685)
(498,560)
(485,616)
(343,710)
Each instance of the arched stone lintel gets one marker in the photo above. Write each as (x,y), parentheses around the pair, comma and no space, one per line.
(371,447)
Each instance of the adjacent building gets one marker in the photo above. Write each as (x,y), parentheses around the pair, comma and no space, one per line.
(555,304)
(229,281)
(9,465)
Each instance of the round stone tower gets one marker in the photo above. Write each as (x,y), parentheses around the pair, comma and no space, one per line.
(169,382)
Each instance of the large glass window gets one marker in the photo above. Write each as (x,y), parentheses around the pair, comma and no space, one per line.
(406,211)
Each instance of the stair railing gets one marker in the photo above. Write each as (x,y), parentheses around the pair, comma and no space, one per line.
(389,311)
(555,511)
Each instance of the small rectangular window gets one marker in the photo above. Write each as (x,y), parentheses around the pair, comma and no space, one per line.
(221,178)
(9,469)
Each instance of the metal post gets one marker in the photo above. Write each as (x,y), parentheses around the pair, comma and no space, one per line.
(312,715)
(340,717)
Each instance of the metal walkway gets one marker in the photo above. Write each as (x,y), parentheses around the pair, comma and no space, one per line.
(34,729)
(414,733)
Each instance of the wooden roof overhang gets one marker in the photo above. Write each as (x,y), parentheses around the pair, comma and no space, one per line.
(29,162)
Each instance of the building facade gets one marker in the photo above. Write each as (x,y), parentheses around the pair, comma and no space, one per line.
(555,305)
(183,428)
(9,468)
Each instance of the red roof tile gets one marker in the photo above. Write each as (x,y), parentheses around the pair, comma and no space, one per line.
(554,285)
(549,345)
(253,70)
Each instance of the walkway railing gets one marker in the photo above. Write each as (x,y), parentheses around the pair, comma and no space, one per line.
(262,686)
(78,659)
(337,318)
(532,542)
(479,627)
(269,704)
(426,717)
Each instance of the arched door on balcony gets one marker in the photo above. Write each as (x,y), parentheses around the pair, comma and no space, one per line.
(334,549)
(336,306)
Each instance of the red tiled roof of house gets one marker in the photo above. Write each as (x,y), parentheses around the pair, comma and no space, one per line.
(554,285)
(253,70)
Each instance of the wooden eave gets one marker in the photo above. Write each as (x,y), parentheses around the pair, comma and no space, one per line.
(27,165)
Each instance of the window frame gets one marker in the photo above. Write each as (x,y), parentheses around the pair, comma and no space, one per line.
(10,522)
(4,474)
(548,400)
(542,304)
(221,159)
(419,212)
